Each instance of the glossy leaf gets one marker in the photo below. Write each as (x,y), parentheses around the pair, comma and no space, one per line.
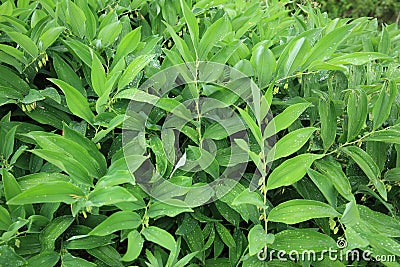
(291,170)
(299,210)
(117,221)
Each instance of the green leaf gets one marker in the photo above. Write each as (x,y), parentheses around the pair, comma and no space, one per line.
(47,259)
(67,74)
(191,22)
(50,36)
(76,102)
(325,185)
(255,130)
(351,215)
(160,209)
(10,185)
(383,223)
(133,69)
(48,192)
(263,61)
(291,170)
(159,236)
(284,119)
(248,197)
(384,43)
(180,44)
(357,111)
(7,148)
(391,136)
(369,167)
(258,239)
(293,56)
(79,50)
(117,221)
(76,19)
(327,113)
(327,45)
(135,245)
(383,105)
(71,261)
(300,210)
(5,219)
(88,242)
(9,258)
(225,235)
(291,143)
(128,44)
(25,42)
(301,240)
(212,35)
(109,33)
(392,175)
(107,254)
(53,230)
(108,196)
(98,76)
(334,172)
(357,58)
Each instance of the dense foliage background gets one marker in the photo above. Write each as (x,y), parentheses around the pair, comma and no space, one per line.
(386,11)
(68,71)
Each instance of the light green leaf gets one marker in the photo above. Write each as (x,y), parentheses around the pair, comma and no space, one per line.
(117,221)
(300,210)
(248,197)
(25,42)
(159,236)
(53,230)
(48,192)
(98,76)
(76,102)
(212,35)
(108,196)
(191,22)
(285,119)
(291,170)
(263,61)
(225,235)
(133,69)
(109,33)
(50,36)
(135,245)
(128,44)
(327,45)
(291,143)
(160,209)
(301,240)
(258,239)
(71,261)
(5,219)
(357,58)
(255,130)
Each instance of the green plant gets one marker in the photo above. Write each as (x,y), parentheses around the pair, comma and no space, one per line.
(320,143)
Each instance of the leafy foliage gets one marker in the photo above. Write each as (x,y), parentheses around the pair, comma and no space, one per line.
(68,71)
